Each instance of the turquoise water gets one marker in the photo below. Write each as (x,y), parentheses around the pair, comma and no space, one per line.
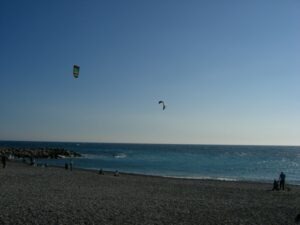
(253,163)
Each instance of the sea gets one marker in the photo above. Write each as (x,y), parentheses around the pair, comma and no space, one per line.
(218,162)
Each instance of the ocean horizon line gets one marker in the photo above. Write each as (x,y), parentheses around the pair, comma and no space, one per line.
(147,143)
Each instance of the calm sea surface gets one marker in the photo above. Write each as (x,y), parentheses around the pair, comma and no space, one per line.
(254,163)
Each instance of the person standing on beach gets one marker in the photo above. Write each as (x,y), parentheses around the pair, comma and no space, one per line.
(281,180)
(71,164)
(275,185)
(3,159)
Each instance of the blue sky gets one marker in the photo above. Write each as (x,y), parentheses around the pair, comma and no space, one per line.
(229,71)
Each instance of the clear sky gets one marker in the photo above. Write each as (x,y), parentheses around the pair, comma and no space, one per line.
(229,71)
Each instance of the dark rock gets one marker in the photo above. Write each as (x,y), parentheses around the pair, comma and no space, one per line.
(53,153)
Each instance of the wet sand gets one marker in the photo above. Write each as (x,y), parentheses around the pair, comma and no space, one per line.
(35,195)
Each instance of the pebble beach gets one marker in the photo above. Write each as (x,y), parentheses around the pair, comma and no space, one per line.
(51,195)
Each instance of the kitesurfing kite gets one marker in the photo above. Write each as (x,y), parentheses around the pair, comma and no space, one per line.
(76,71)
(163,104)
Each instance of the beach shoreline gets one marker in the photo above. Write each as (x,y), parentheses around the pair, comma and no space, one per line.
(111,172)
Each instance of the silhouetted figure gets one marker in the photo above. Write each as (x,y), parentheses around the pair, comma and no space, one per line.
(297,219)
(71,165)
(32,162)
(275,185)
(101,172)
(3,159)
(282,180)
(116,173)
(66,166)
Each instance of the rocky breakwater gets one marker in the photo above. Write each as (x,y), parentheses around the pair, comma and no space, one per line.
(51,153)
